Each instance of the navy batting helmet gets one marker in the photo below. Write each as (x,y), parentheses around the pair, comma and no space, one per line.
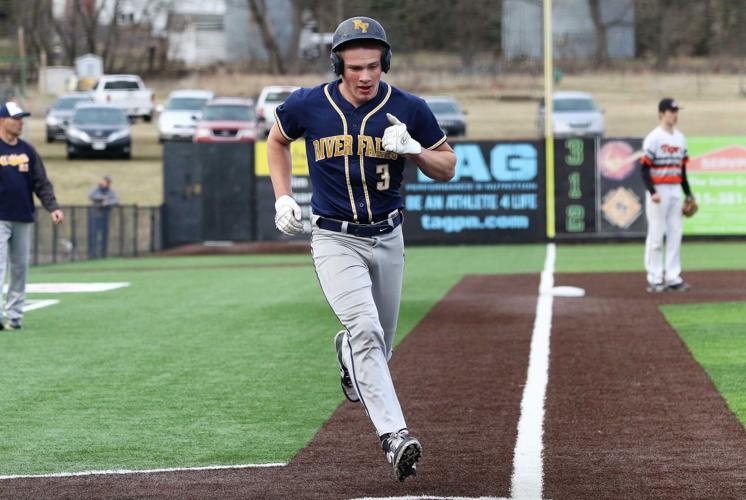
(359,28)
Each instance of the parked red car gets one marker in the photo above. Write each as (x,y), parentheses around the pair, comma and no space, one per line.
(227,119)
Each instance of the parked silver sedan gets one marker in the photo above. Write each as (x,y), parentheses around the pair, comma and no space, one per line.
(179,116)
(575,114)
(60,113)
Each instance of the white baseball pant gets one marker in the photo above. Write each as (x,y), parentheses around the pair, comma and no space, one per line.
(362,279)
(665,221)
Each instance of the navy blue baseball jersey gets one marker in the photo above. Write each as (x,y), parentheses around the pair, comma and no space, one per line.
(22,173)
(353,177)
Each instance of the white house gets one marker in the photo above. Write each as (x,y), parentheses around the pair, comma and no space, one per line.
(196,39)
(194,28)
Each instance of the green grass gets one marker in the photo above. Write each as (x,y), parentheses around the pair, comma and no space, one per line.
(628,257)
(716,336)
(201,360)
(215,360)
(136,181)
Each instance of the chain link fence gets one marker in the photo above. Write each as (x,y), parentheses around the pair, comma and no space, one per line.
(88,233)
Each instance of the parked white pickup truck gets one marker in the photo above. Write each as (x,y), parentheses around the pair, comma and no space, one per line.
(127,92)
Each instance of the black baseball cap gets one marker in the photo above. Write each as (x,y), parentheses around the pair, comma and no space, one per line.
(668,104)
(11,109)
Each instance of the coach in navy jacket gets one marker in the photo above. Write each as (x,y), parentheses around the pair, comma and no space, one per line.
(22,174)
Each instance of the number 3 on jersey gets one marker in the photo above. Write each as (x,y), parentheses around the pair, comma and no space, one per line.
(383,171)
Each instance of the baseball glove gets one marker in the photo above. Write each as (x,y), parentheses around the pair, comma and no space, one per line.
(690,207)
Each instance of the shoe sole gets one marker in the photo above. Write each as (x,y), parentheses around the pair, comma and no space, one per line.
(407,464)
(677,289)
(338,344)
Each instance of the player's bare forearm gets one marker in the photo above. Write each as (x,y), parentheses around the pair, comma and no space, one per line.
(280,162)
(439,164)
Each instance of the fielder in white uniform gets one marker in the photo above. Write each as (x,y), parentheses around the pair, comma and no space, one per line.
(664,173)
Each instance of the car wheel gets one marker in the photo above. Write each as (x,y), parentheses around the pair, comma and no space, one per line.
(71,156)
(147,118)
(50,139)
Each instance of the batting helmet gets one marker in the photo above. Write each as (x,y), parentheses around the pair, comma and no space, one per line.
(359,28)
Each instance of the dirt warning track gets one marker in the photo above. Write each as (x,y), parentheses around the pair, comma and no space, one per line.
(629,413)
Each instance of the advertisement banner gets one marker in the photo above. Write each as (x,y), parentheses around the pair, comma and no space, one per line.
(497,195)
(717,177)
(620,200)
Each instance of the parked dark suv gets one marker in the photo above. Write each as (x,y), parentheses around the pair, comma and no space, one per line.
(450,116)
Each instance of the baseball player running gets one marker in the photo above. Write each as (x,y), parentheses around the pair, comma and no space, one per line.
(664,173)
(358,132)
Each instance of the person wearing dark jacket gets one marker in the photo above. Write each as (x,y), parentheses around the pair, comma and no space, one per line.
(103,198)
(22,174)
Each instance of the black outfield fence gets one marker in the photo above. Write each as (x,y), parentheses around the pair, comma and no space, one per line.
(131,231)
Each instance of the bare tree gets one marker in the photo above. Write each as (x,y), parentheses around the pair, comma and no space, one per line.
(601,54)
(90,15)
(258,9)
(66,31)
(665,34)
(111,38)
(35,18)
(131,45)
(78,28)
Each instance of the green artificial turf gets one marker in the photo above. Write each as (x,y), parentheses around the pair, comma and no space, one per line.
(716,336)
(200,361)
(216,359)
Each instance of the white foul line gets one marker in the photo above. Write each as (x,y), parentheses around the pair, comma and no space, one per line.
(143,471)
(528,467)
(32,305)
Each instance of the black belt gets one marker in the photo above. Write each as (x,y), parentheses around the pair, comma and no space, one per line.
(361,230)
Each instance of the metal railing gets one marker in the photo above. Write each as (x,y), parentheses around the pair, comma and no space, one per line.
(127,231)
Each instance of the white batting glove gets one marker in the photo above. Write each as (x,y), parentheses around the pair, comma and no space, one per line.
(397,140)
(287,215)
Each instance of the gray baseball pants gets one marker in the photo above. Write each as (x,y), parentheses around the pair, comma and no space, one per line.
(15,241)
(362,280)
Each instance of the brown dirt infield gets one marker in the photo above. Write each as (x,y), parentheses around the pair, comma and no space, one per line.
(629,413)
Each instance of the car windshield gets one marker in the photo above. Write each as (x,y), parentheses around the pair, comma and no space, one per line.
(443,107)
(573,105)
(278,96)
(228,112)
(185,104)
(69,102)
(99,116)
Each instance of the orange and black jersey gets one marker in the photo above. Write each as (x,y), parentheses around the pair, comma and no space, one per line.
(664,160)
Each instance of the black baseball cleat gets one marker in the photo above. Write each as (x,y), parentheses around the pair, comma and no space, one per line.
(13,324)
(348,388)
(679,287)
(402,452)
(655,287)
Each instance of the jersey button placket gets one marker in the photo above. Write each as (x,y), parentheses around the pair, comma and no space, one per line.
(356,130)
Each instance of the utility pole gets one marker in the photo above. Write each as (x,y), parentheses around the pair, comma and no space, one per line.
(22,60)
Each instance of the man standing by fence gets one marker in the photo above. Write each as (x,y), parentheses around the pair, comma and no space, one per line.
(22,174)
(103,198)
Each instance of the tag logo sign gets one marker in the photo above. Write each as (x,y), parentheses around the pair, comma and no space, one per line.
(507,162)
